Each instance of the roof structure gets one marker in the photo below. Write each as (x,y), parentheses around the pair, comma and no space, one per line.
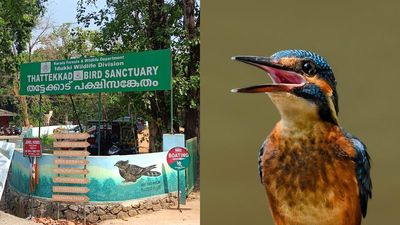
(6,113)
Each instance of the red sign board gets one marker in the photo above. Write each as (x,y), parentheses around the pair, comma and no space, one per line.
(32,147)
(178,158)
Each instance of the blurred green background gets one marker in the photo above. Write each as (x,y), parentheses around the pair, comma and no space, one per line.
(361,42)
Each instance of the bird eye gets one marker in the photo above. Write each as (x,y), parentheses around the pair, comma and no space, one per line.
(309,68)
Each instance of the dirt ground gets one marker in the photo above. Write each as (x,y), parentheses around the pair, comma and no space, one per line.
(7,219)
(190,215)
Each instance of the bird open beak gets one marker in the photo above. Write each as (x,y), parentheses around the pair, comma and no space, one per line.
(283,79)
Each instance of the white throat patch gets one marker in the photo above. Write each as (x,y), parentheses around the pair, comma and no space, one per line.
(295,111)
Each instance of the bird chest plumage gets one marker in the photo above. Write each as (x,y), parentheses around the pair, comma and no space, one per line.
(309,176)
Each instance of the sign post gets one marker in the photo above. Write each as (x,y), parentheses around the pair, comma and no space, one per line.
(32,148)
(178,158)
(62,192)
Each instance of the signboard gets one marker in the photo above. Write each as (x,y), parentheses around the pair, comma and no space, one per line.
(6,154)
(70,171)
(70,153)
(73,136)
(72,157)
(70,180)
(68,189)
(142,71)
(71,144)
(70,162)
(172,140)
(70,198)
(178,158)
(32,147)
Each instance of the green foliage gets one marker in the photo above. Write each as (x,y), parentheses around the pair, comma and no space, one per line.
(149,24)
(17,19)
(124,26)
(65,42)
(47,140)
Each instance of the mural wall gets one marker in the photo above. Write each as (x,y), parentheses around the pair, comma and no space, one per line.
(6,154)
(112,178)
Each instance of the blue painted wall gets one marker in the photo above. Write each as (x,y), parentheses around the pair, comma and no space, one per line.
(106,183)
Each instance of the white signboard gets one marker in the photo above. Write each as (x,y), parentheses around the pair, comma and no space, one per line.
(6,153)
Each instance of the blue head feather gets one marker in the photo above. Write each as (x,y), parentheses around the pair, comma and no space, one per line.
(319,60)
(324,70)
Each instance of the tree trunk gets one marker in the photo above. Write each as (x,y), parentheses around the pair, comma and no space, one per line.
(159,122)
(157,32)
(192,123)
(192,115)
(188,9)
(154,134)
(24,110)
(22,101)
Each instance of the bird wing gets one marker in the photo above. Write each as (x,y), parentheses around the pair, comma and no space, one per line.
(260,155)
(122,173)
(362,171)
(147,169)
(134,169)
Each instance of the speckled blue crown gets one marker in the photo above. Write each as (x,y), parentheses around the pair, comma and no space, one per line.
(319,60)
(325,70)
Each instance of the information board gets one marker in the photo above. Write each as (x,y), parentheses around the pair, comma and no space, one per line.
(32,147)
(141,71)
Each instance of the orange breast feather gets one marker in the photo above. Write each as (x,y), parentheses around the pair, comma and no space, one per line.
(310,178)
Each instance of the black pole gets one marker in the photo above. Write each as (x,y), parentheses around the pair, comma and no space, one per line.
(179,194)
(99,128)
(76,113)
(40,113)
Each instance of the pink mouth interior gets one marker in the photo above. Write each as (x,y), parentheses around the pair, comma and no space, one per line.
(279,76)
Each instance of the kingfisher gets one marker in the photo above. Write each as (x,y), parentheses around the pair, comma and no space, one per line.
(314,172)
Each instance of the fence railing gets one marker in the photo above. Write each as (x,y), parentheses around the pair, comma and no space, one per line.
(192,172)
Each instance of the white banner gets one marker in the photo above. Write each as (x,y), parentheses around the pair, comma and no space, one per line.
(6,154)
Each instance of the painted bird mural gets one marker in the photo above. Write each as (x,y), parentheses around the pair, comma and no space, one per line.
(131,173)
(314,172)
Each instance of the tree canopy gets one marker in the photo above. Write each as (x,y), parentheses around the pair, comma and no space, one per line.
(17,19)
(123,26)
(155,24)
